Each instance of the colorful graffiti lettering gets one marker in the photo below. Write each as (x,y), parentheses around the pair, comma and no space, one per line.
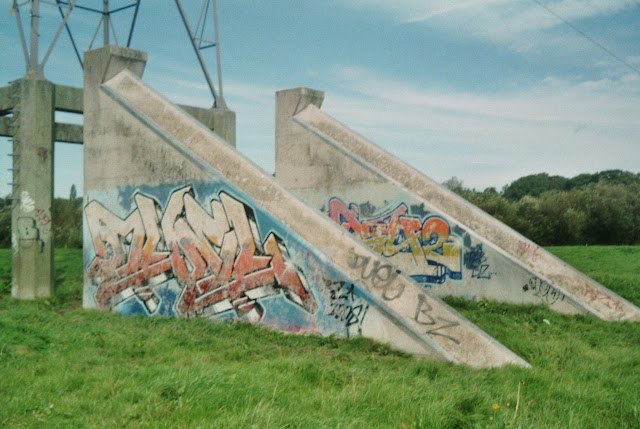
(428,247)
(218,260)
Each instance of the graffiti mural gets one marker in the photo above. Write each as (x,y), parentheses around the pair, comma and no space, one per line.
(217,257)
(426,249)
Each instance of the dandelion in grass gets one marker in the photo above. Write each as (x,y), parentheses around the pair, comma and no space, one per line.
(495,408)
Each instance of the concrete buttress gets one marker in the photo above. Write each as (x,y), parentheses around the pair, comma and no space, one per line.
(178,223)
(446,244)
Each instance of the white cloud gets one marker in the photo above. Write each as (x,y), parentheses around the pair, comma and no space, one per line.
(456,6)
(553,100)
(555,126)
(519,25)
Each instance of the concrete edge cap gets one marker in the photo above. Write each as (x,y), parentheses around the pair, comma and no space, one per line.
(120,58)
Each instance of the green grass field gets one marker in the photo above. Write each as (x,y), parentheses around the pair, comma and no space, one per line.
(61,366)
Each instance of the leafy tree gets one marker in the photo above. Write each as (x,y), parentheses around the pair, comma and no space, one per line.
(5,222)
(532,185)
(582,180)
(618,177)
(453,184)
(601,208)
(67,222)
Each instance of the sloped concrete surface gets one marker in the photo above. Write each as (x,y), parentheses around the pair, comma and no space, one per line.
(219,238)
(494,261)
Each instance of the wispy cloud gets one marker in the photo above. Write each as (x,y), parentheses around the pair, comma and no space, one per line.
(453,7)
(552,100)
(516,24)
(556,126)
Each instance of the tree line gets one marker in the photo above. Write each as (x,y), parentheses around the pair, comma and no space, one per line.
(600,208)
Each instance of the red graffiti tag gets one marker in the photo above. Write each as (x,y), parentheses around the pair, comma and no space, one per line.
(44,221)
(530,250)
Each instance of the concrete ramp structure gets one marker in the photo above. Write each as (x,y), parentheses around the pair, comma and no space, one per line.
(177,223)
(442,241)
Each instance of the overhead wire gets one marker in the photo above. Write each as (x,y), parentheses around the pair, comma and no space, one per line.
(586,36)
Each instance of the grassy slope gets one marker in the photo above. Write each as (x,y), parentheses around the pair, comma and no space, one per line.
(617,267)
(61,366)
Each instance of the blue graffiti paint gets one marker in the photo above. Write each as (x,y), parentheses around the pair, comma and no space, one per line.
(277,311)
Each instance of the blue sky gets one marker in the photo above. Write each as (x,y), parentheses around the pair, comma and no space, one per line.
(484,90)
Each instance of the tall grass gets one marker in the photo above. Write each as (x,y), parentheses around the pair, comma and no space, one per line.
(61,366)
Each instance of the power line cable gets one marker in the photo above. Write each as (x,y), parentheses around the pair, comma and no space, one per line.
(589,38)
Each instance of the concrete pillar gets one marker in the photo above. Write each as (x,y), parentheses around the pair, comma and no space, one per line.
(221,121)
(103,63)
(32,237)
(100,65)
(292,142)
(224,125)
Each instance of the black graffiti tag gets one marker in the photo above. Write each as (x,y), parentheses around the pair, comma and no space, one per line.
(423,317)
(543,290)
(380,275)
(345,305)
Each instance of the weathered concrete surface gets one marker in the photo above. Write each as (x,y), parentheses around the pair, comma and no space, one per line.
(177,222)
(67,133)
(7,101)
(68,99)
(27,108)
(31,236)
(220,121)
(441,240)
(27,115)
(133,159)
(6,125)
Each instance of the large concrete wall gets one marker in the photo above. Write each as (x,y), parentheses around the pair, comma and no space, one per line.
(176,222)
(442,241)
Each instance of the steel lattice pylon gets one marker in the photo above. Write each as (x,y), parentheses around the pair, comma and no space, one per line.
(199,41)
(35,64)
(27,116)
